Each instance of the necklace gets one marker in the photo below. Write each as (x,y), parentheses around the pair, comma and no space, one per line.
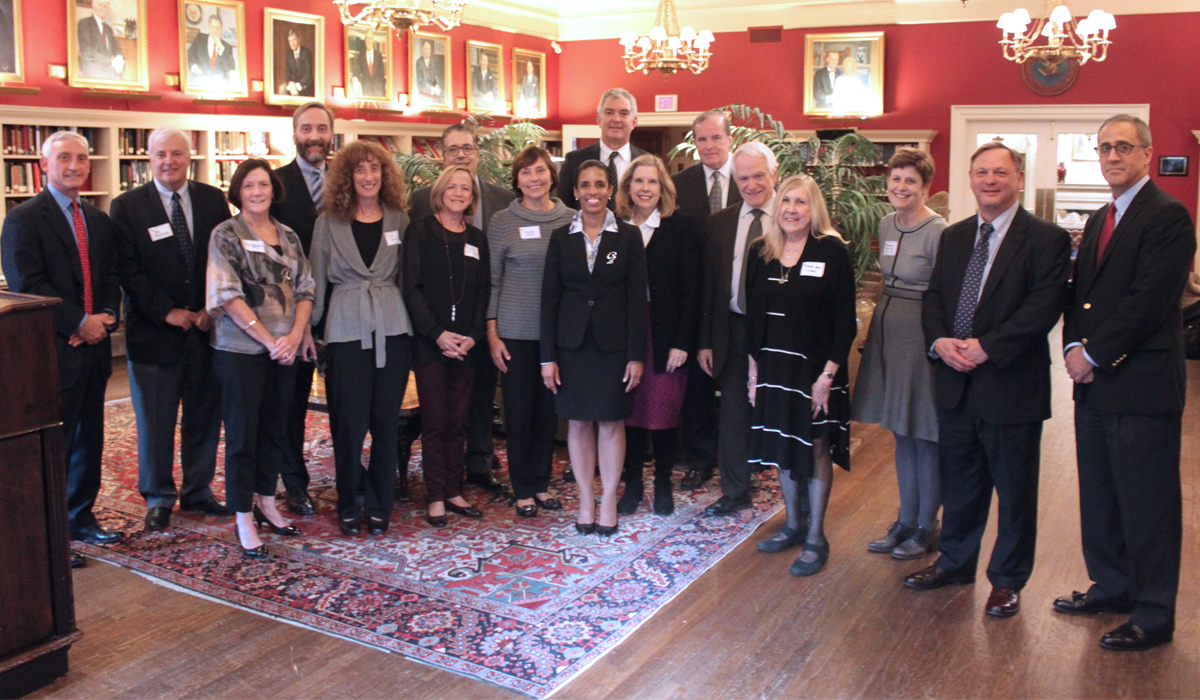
(450,271)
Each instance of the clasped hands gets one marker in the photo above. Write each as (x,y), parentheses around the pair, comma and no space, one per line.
(1078,368)
(962,355)
(455,346)
(93,330)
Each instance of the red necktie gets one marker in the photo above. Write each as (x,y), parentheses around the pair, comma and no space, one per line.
(1106,231)
(212,59)
(370,66)
(84,261)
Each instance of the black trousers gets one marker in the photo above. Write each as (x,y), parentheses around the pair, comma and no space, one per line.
(481,453)
(698,421)
(293,471)
(82,382)
(530,420)
(1130,503)
(256,393)
(362,398)
(735,412)
(977,456)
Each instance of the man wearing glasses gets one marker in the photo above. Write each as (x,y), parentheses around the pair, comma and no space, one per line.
(1124,350)
(460,146)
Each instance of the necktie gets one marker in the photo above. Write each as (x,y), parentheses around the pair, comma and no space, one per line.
(968,298)
(212,58)
(318,189)
(612,171)
(716,197)
(370,64)
(752,235)
(1106,231)
(84,260)
(180,227)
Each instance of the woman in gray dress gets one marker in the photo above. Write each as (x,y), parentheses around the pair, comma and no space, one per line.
(895,379)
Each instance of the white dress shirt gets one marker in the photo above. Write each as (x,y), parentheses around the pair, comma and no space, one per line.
(624,158)
(726,183)
(745,218)
(185,201)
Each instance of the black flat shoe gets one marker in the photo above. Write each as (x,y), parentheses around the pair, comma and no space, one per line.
(468,511)
(774,545)
(92,533)
(1084,604)
(299,503)
(376,526)
(210,506)
(551,503)
(158,518)
(1130,637)
(259,552)
(350,528)
(527,511)
(286,531)
(436,520)
(808,568)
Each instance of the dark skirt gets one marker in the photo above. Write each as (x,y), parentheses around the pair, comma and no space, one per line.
(658,398)
(592,389)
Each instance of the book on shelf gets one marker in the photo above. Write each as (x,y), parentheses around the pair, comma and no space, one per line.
(26,139)
(24,178)
(134,173)
(133,142)
(389,144)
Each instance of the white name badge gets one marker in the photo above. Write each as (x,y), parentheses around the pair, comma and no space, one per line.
(890,247)
(812,269)
(254,246)
(528,232)
(157,233)
(392,237)
(470,251)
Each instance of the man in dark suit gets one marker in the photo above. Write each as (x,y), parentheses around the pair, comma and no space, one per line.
(369,69)
(299,68)
(100,54)
(1124,350)
(162,231)
(484,92)
(823,80)
(997,289)
(211,60)
(616,115)
(56,245)
(700,190)
(430,70)
(722,341)
(304,182)
(460,146)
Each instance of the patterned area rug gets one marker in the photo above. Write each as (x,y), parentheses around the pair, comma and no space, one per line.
(526,604)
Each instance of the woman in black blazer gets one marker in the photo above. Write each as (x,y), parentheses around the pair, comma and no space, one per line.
(594,337)
(673,244)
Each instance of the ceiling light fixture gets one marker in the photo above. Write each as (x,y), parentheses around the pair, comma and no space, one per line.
(1066,38)
(668,49)
(401,14)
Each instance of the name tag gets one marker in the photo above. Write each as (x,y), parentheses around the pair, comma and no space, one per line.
(254,246)
(157,233)
(890,247)
(470,251)
(528,232)
(392,237)
(812,269)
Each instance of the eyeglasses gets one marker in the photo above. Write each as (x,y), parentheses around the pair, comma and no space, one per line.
(1123,149)
(467,150)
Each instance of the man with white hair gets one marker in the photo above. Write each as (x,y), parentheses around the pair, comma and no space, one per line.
(162,233)
(56,245)
(616,116)
(722,342)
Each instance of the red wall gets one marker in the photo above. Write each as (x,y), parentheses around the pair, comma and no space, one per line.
(928,68)
(46,43)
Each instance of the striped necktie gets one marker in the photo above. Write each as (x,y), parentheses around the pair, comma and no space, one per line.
(318,189)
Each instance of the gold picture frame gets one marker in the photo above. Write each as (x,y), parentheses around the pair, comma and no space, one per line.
(288,79)
(485,86)
(430,80)
(529,84)
(106,48)
(832,92)
(12,45)
(368,80)
(207,67)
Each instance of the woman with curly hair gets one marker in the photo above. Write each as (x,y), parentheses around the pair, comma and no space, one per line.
(368,335)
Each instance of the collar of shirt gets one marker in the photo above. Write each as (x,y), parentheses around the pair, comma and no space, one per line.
(308,169)
(610,222)
(1122,202)
(185,200)
(214,45)
(999,225)
(64,204)
(623,153)
(649,226)
(766,208)
(724,170)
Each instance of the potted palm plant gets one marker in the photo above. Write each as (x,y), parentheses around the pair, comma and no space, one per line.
(496,150)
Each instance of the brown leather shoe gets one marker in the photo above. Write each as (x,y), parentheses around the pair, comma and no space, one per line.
(932,577)
(1003,602)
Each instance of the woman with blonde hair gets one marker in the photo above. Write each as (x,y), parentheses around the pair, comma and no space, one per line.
(801,323)
(356,256)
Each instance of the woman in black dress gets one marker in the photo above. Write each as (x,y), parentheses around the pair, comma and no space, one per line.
(594,338)
(801,324)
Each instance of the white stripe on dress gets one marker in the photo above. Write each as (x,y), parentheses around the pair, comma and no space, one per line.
(784,388)
(785,352)
(781,433)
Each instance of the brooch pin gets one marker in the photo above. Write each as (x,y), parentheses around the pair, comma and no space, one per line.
(612,257)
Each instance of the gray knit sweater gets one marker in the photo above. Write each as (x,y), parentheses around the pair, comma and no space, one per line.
(517,241)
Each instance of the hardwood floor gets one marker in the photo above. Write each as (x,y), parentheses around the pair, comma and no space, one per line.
(745,629)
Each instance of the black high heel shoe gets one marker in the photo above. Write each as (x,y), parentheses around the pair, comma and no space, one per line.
(286,531)
(376,526)
(551,503)
(585,528)
(258,553)
(468,511)
(350,528)
(607,530)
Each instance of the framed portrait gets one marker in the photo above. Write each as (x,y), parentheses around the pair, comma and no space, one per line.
(529,80)
(106,44)
(843,74)
(1083,147)
(212,48)
(12,50)
(429,83)
(1173,166)
(369,64)
(294,60)
(485,93)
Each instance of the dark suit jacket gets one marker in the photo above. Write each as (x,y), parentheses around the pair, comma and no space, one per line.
(493,199)
(95,61)
(484,89)
(427,286)
(1126,309)
(1022,297)
(374,82)
(612,298)
(720,234)
(691,192)
(430,76)
(198,57)
(40,256)
(675,265)
(822,87)
(154,274)
(566,172)
(297,210)
(301,71)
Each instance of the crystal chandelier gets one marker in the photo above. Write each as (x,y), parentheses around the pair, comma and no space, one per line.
(667,49)
(401,14)
(1065,37)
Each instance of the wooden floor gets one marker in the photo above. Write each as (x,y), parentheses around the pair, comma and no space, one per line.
(745,629)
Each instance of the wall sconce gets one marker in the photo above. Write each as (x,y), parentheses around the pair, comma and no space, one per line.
(58,71)
(256,85)
(460,103)
(171,79)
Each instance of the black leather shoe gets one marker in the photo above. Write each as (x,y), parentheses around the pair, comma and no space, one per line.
(529,511)
(158,518)
(808,568)
(436,520)
(92,533)
(568,476)
(259,552)
(468,511)
(774,544)
(607,530)
(260,519)
(897,533)
(1130,637)
(1083,604)
(486,481)
(932,577)
(695,479)
(350,528)
(376,527)
(1003,602)
(551,503)
(78,561)
(209,505)
(726,505)
(299,503)
(585,528)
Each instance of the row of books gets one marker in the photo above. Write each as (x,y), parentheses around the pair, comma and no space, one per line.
(26,139)
(136,142)
(224,174)
(430,148)
(24,178)
(135,173)
(242,143)
(90,199)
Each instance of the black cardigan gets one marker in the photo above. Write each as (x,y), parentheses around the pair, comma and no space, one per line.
(675,268)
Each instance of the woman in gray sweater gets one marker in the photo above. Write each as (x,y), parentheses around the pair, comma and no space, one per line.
(518,237)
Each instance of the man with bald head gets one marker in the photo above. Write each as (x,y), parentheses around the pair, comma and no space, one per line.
(162,232)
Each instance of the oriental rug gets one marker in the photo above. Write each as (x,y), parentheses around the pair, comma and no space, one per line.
(523,603)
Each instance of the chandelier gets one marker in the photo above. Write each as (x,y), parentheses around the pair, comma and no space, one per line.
(667,49)
(1065,38)
(401,14)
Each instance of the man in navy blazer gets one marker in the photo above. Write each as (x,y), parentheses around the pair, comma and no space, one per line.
(162,231)
(211,61)
(56,245)
(998,287)
(1124,349)
(616,115)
